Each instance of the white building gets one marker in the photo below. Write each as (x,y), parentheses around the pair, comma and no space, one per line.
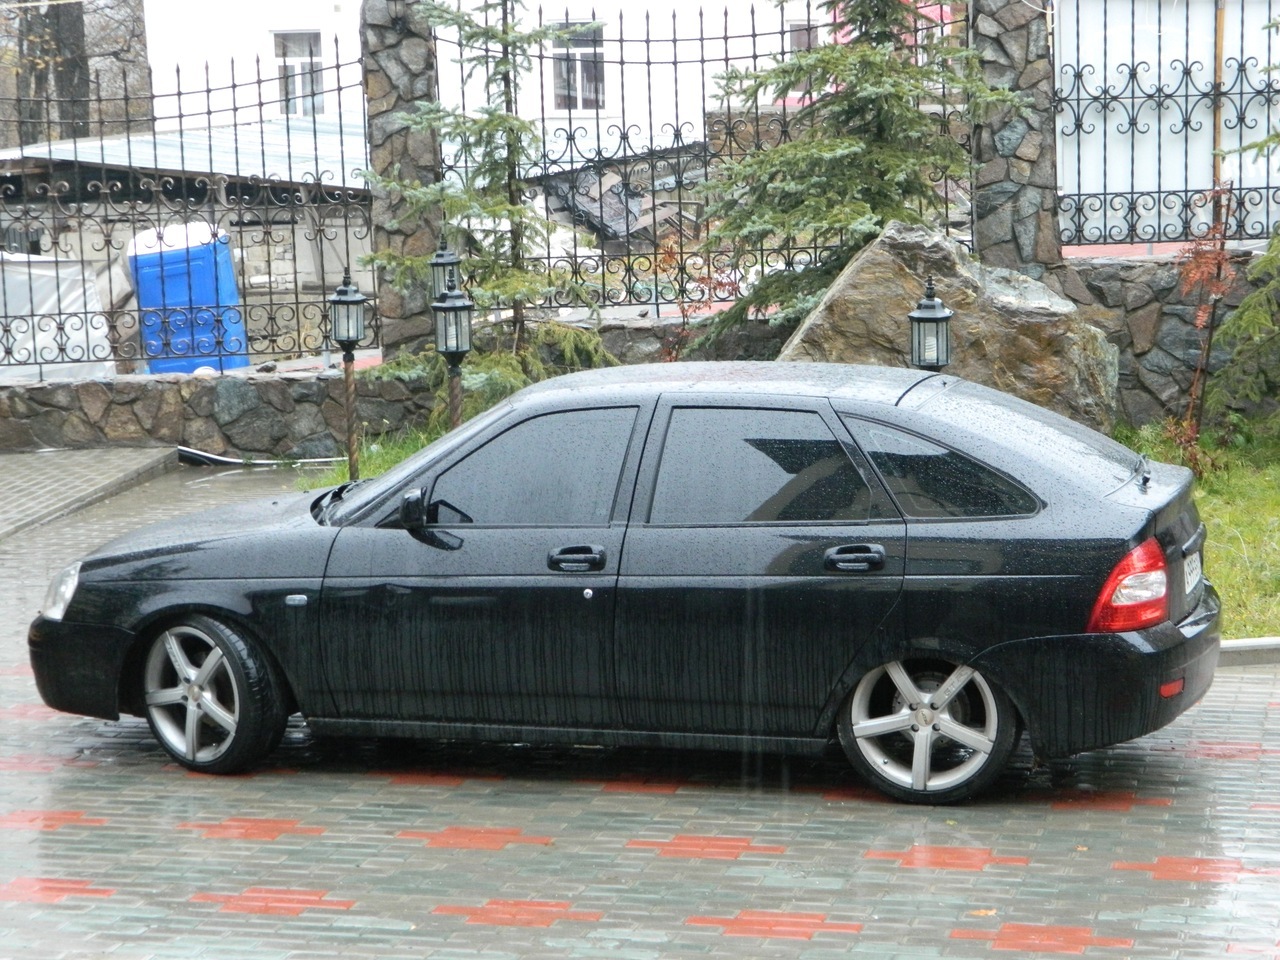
(284,57)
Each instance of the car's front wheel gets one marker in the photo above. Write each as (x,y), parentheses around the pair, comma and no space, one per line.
(928,730)
(213,699)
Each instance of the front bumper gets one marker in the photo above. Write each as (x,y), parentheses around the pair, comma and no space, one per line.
(78,666)
(1081,692)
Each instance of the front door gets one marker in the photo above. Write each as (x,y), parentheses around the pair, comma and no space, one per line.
(500,610)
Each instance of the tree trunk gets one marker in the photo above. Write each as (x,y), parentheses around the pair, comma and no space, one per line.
(53,73)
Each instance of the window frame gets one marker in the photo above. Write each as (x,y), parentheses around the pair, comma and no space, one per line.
(303,71)
(567,57)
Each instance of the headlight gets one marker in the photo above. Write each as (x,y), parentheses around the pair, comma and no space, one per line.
(60,592)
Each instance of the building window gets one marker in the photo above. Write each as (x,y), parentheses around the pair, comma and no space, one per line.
(578,69)
(802,36)
(301,74)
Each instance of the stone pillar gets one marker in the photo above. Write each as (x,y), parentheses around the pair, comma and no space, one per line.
(400,72)
(1015,152)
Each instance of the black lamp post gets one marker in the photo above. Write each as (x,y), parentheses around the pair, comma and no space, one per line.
(454,313)
(346,316)
(930,331)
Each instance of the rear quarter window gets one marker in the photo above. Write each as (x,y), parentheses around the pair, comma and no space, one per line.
(930,481)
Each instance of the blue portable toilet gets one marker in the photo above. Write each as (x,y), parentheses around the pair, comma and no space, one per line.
(186,287)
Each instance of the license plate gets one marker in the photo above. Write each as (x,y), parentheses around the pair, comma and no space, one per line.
(1191,571)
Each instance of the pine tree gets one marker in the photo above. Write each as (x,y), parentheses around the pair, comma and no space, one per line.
(490,150)
(869,144)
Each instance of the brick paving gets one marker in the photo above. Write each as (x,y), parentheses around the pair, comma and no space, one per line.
(1167,847)
(43,486)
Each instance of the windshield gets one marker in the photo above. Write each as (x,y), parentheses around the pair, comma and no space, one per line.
(356,499)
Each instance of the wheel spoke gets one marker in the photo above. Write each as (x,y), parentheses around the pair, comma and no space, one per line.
(878,726)
(192,745)
(953,685)
(211,663)
(966,736)
(922,759)
(907,689)
(218,714)
(165,697)
(178,657)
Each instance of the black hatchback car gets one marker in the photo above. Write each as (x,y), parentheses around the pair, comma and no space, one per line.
(724,555)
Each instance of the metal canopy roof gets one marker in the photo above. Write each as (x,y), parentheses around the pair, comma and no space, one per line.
(287,149)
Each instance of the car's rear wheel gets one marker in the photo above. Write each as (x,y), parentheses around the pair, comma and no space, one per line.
(213,699)
(928,730)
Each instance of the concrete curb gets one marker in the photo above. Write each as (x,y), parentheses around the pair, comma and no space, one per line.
(1250,653)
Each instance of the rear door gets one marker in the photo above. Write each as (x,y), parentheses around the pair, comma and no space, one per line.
(760,556)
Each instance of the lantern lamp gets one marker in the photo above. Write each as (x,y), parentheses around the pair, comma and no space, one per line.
(930,331)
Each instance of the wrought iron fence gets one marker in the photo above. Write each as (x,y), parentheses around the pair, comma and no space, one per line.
(633,126)
(1157,102)
(177,225)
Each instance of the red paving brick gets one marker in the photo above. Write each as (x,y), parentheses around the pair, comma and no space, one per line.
(775,924)
(707,848)
(519,913)
(251,828)
(472,838)
(1034,938)
(274,901)
(1116,801)
(1197,869)
(46,890)
(946,858)
(48,820)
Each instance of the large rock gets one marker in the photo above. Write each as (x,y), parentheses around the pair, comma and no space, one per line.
(1008,332)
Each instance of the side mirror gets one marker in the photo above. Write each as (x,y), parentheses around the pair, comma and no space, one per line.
(413,514)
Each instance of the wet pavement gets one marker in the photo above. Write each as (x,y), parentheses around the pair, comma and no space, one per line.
(1167,847)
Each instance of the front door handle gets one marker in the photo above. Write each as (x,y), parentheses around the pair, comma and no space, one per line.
(855,558)
(580,559)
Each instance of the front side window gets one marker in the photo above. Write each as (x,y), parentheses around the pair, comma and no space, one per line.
(578,69)
(739,465)
(560,469)
(301,74)
(930,481)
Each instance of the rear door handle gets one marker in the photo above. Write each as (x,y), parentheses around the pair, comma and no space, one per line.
(855,558)
(580,559)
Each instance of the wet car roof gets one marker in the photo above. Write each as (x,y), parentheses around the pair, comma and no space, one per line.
(847,381)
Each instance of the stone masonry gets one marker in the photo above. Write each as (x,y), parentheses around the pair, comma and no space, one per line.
(278,416)
(400,72)
(1151,319)
(1015,155)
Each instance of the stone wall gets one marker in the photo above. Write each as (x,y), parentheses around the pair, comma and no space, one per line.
(278,416)
(1151,319)
(1015,157)
(400,73)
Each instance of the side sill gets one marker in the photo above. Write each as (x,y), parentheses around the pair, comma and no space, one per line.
(329,726)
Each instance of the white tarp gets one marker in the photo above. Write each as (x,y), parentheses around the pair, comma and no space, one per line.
(50,313)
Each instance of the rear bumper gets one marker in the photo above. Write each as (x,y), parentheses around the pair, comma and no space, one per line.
(77,665)
(1092,690)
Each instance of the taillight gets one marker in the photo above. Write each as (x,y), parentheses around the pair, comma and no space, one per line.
(1136,595)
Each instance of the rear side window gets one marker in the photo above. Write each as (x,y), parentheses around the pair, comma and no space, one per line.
(560,469)
(738,465)
(931,481)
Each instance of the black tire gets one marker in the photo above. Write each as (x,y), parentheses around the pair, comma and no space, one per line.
(213,700)
(928,730)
